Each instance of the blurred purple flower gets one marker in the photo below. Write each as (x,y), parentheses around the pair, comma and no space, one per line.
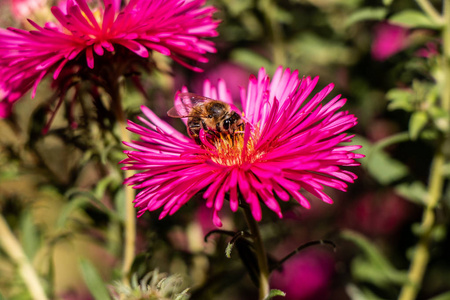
(388,40)
(288,143)
(86,38)
(306,276)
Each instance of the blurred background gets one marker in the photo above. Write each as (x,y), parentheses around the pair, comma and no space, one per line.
(61,193)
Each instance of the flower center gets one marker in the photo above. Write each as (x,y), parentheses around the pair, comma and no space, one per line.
(232,149)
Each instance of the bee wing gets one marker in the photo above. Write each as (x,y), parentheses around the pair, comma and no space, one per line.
(179,111)
(188,102)
(193,99)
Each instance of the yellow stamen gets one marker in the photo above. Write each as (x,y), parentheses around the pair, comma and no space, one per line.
(230,149)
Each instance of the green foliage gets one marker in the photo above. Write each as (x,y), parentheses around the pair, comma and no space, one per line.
(373,267)
(93,280)
(275,293)
(417,123)
(229,249)
(153,286)
(250,59)
(365,14)
(400,99)
(381,166)
(443,296)
(30,235)
(415,192)
(413,19)
(357,293)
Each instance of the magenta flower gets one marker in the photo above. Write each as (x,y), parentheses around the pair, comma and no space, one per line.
(289,143)
(87,39)
(307,276)
(388,40)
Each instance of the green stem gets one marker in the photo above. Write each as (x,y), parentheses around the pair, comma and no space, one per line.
(446,57)
(436,182)
(421,255)
(130,213)
(429,9)
(261,257)
(269,9)
(14,250)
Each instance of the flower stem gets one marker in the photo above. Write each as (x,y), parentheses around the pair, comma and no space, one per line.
(436,182)
(421,255)
(445,100)
(14,250)
(260,253)
(429,9)
(130,214)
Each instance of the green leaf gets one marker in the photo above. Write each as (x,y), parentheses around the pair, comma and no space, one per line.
(93,280)
(417,122)
(102,185)
(229,249)
(119,202)
(356,293)
(30,236)
(440,118)
(365,14)
(250,59)
(400,99)
(378,163)
(444,296)
(387,2)
(275,293)
(73,205)
(415,192)
(93,200)
(413,19)
(373,266)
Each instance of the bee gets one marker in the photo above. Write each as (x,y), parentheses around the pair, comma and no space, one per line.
(213,116)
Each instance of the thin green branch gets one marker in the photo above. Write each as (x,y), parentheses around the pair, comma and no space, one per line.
(261,256)
(445,100)
(130,213)
(436,182)
(429,9)
(269,9)
(15,251)
(421,255)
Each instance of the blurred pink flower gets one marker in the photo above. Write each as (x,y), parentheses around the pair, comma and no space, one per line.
(21,9)
(364,215)
(388,40)
(288,143)
(83,37)
(306,276)
(430,49)
(234,75)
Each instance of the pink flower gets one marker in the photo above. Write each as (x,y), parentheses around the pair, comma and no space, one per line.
(430,50)
(289,143)
(306,276)
(24,8)
(85,39)
(388,40)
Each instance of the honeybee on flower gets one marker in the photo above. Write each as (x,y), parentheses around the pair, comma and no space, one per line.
(286,144)
(203,113)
